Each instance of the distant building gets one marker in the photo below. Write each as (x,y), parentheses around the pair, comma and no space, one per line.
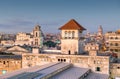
(9,63)
(34,39)
(113,41)
(37,37)
(71,53)
(7,42)
(19,50)
(24,39)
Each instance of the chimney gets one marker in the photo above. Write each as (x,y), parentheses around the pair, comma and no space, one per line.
(35,50)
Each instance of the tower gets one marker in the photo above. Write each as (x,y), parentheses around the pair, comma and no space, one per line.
(37,37)
(100,30)
(70,37)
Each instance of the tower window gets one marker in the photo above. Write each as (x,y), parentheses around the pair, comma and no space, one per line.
(97,68)
(73,34)
(36,43)
(65,34)
(36,34)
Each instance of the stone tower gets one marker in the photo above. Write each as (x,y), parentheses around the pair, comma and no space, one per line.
(37,37)
(70,37)
(100,30)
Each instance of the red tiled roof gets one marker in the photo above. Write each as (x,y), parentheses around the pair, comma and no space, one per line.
(72,24)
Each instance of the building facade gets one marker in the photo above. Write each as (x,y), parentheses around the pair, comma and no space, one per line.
(37,37)
(10,63)
(24,39)
(113,41)
(34,39)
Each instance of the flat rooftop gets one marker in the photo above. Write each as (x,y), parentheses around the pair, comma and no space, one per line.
(71,73)
(25,71)
(93,75)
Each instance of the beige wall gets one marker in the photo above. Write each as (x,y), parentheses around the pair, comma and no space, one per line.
(79,60)
(10,64)
(22,37)
(68,44)
(115,69)
(71,44)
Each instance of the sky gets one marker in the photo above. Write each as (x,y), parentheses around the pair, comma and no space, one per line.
(23,15)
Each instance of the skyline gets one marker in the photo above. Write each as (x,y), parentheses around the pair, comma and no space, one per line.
(22,16)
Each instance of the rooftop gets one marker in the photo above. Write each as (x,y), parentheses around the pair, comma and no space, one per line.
(72,24)
(71,73)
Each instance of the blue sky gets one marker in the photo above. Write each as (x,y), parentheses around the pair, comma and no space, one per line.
(23,15)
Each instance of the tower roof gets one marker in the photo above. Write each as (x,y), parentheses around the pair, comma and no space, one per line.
(72,24)
(37,27)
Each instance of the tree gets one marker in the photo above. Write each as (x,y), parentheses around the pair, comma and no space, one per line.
(50,44)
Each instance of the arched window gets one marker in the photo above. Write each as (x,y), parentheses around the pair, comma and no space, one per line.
(65,34)
(73,34)
(36,34)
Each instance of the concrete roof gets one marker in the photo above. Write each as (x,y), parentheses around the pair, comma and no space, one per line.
(97,76)
(71,73)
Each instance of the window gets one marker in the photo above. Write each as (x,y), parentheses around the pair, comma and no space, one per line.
(111,37)
(73,34)
(97,68)
(111,44)
(36,43)
(94,62)
(65,34)
(116,50)
(118,67)
(111,49)
(69,52)
(3,62)
(58,59)
(64,60)
(116,44)
(36,34)
(61,60)
(116,37)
